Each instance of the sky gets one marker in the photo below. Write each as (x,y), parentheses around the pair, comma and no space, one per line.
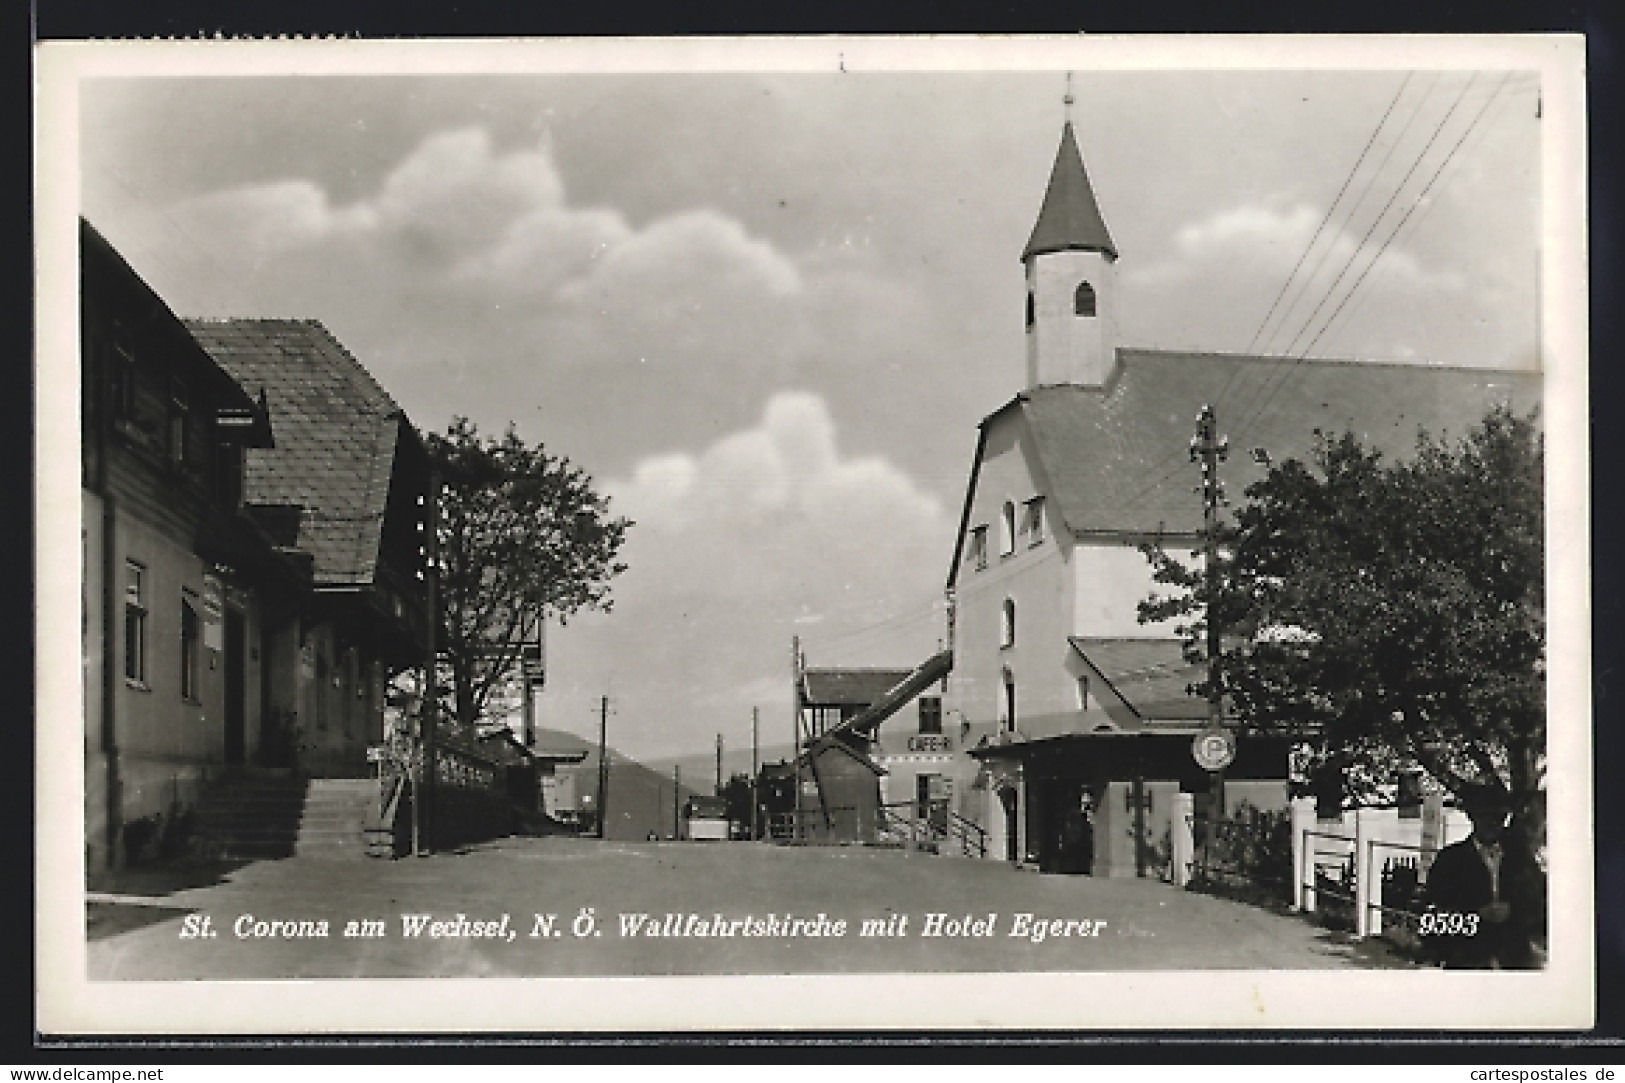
(766,311)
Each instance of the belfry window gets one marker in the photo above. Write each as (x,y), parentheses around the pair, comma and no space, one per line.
(1083,302)
(1031,313)
(1007,623)
(1007,529)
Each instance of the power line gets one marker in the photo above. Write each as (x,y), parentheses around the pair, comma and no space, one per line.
(1383,248)
(1369,143)
(1418,206)
(1170,465)
(1289,373)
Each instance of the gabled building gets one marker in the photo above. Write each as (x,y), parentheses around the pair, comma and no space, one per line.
(183,595)
(1065,698)
(344,487)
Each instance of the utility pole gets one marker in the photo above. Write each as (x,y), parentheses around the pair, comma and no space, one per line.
(676,802)
(603,765)
(719,765)
(1209,449)
(755,770)
(795,734)
(423,799)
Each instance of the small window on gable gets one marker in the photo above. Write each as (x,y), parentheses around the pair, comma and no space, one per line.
(1032,314)
(1007,529)
(1083,693)
(930,714)
(978,547)
(1034,520)
(1083,302)
(1007,623)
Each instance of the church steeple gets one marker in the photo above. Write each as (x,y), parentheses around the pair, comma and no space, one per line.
(1071,284)
(1070,219)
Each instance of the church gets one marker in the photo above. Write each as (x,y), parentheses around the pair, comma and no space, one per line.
(1059,699)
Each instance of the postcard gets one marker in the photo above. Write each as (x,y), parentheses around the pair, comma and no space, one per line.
(784,534)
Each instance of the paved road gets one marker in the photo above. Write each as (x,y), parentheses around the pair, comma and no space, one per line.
(136,927)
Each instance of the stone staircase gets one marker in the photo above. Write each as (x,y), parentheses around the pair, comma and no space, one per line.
(255,817)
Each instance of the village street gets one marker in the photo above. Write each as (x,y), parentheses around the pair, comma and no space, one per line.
(139,926)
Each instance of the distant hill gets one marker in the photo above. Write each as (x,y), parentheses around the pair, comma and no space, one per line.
(700,769)
(640,798)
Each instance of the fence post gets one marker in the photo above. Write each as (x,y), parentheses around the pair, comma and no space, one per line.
(1303,864)
(1184,842)
(1364,855)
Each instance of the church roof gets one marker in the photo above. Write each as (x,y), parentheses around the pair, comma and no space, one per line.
(1115,460)
(1070,218)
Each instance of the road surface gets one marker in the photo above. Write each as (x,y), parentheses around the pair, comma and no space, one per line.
(433,917)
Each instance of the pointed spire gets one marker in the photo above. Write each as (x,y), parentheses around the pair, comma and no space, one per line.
(1069,219)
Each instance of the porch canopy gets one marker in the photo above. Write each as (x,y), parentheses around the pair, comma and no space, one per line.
(1120,755)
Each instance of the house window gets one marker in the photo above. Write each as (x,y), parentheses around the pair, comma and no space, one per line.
(1034,520)
(135,622)
(1083,693)
(189,647)
(978,547)
(1007,708)
(1007,529)
(1083,302)
(1007,623)
(930,714)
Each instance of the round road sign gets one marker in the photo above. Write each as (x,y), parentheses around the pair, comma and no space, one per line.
(1214,749)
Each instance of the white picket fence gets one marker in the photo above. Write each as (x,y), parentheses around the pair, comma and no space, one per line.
(1372,837)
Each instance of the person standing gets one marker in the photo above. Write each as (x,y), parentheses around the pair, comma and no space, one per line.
(1486,896)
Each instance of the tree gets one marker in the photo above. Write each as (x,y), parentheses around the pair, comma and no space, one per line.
(1389,612)
(523,537)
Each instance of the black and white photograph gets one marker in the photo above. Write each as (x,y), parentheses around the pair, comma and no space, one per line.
(1012,533)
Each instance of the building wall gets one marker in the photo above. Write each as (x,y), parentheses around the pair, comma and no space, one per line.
(1063,347)
(166,747)
(1109,581)
(1036,578)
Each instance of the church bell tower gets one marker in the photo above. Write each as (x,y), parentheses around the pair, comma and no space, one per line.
(1071,280)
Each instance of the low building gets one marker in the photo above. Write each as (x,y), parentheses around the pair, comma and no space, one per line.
(345,487)
(185,599)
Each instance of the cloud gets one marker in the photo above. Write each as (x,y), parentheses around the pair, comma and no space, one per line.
(742,545)
(1206,290)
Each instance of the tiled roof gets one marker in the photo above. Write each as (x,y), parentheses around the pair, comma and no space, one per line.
(336,431)
(1117,459)
(850,687)
(1151,675)
(1069,218)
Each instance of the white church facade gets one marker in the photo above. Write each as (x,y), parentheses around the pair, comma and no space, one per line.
(1058,696)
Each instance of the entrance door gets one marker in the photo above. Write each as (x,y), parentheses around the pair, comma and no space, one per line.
(235,674)
(1012,827)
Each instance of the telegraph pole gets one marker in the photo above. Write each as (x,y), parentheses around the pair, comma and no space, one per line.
(603,765)
(676,802)
(423,800)
(755,769)
(1209,449)
(795,734)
